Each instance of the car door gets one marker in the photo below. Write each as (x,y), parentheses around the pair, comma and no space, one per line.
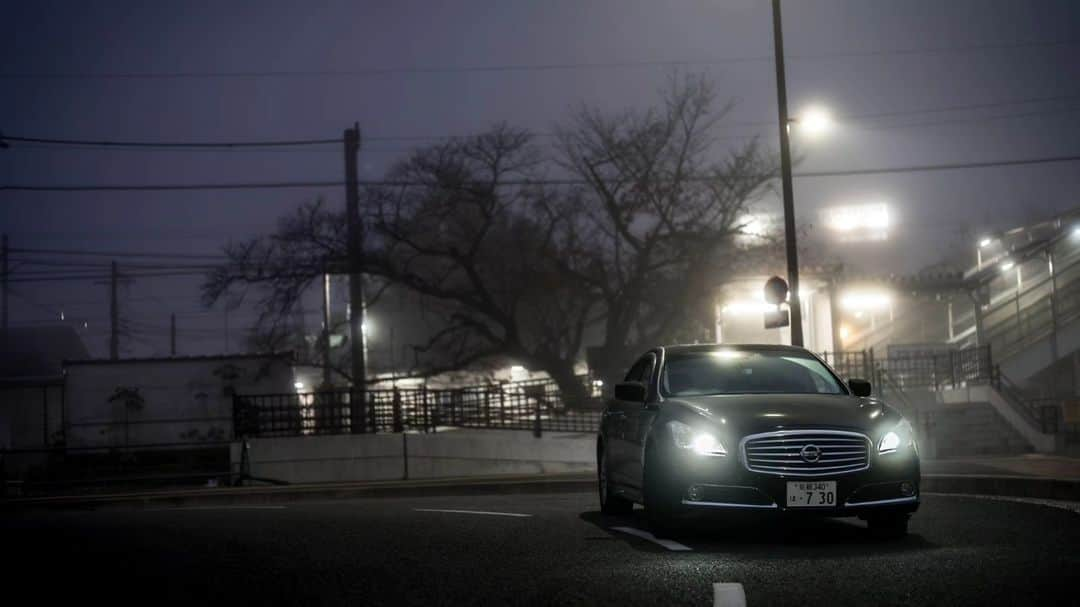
(619,454)
(635,423)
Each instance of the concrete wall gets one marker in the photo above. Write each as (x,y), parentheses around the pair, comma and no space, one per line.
(180,400)
(317,459)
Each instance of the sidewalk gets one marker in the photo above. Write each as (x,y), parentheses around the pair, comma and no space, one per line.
(1034,465)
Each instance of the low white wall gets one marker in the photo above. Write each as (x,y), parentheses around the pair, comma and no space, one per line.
(322,459)
(362,457)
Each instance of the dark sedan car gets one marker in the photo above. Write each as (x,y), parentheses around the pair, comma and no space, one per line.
(763,428)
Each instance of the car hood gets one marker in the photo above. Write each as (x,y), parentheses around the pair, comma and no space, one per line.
(750,413)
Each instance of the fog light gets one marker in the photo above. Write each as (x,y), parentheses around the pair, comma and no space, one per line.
(907,489)
(694,493)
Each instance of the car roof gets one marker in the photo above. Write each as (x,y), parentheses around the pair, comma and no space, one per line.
(679,348)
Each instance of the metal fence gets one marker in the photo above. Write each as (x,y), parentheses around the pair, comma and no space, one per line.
(851,364)
(936,370)
(536,406)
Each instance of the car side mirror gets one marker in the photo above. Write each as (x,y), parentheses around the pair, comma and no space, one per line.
(632,391)
(859,387)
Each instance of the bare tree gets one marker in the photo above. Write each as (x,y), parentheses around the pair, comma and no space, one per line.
(472,230)
(660,211)
(523,268)
(277,270)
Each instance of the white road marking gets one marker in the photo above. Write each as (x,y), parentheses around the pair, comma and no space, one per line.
(728,594)
(1062,504)
(215,508)
(669,544)
(471,512)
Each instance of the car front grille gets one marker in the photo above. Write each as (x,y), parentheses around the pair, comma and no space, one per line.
(792,452)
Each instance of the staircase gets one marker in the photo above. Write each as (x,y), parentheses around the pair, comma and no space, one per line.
(961,404)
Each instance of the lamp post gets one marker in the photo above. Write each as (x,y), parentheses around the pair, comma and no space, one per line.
(785,176)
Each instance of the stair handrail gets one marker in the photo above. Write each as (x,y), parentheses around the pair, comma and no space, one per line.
(1012,395)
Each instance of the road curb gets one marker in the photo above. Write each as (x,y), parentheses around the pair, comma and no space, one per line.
(291,493)
(1013,486)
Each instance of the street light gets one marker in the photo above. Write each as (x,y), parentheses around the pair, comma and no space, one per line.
(815,122)
(866,301)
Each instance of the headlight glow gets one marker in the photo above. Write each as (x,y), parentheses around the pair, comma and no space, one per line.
(898,438)
(890,442)
(702,443)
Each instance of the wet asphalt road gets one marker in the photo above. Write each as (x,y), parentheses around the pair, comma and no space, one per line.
(388,551)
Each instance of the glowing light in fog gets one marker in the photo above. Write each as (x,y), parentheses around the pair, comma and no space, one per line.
(859,222)
(815,122)
(865,300)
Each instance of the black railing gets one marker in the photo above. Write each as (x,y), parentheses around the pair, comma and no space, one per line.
(535,406)
(858,363)
(939,369)
(1034,414)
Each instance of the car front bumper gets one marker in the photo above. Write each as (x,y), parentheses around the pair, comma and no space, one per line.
(724,483)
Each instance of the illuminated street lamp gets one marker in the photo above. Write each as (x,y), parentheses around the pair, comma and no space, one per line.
(814,122)
(983,243)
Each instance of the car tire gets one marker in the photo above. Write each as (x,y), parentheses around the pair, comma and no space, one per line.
(610,503)
(888,526)
(661,503)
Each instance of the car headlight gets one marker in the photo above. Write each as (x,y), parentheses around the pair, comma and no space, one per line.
(895,439)
(698,441)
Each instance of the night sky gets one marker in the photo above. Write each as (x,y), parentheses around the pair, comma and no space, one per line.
(233,71)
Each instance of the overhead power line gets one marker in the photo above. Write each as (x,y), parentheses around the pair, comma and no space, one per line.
(515,182)
(82,252)
(302,143)
(174,144)
(175,186)
(534,67)
(941,167)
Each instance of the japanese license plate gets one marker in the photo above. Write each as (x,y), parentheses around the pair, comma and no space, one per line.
(811,494)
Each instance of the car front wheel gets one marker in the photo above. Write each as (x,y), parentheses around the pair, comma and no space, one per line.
(610,503)
(661,500)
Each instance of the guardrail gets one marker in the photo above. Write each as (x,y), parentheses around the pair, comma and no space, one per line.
(535,406)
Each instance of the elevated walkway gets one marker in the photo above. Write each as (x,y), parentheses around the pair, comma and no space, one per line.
(1027,306)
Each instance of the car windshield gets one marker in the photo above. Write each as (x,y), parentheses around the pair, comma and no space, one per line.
(746,372)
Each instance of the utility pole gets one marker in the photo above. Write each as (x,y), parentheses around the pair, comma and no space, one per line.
(785,176)
(172,334)
(114,316)
(357,311)
(3,283)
